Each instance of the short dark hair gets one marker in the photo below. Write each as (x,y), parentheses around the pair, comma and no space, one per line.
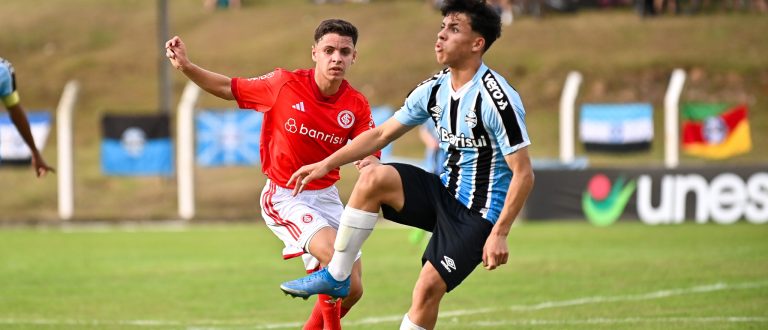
(482,18)
(338,26)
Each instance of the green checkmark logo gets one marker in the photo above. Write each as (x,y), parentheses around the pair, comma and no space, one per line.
(602,202)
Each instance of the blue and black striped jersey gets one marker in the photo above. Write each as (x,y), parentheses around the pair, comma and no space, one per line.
(7,78)
(8,95)
(477,126)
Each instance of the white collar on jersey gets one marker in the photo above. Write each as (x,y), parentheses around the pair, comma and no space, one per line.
(455,95)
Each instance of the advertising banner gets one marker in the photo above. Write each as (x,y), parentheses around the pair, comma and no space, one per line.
(721,195)
(136,145)
(13,149)
(228,138)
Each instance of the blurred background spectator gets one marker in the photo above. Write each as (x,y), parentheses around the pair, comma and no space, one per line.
(214,4)
(504,7)
(435,3)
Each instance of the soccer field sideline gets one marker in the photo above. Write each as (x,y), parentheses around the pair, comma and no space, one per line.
(454,314)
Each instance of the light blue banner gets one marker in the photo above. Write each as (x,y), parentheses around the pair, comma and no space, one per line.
(228,137)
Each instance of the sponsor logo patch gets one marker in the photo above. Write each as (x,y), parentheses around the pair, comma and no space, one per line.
(435,112)
(265,76)
(494,89)
(448,263)
(299,106)
(290,125)
(461,141)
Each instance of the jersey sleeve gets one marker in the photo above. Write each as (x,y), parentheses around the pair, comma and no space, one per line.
(8,94)
(258,93)
(365,123)
(414,110)
(508,124)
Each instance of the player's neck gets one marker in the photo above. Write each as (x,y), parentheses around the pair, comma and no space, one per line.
(461,73)
(327,87)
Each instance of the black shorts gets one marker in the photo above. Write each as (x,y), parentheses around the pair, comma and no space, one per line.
(458,233)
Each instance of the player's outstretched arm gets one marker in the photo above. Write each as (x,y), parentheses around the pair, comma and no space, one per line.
(495,251)
(361,146)
(212,82)
(19,120)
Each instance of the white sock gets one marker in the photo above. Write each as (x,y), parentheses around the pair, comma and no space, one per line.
(354,228)
(408,325)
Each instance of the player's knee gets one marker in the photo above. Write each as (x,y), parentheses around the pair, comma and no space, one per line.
(428,291)
(431,288)
(372,180)
(425,297)
(320,245)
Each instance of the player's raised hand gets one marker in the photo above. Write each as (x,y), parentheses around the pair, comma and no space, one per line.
(305,175)
(176,51)
(495,252)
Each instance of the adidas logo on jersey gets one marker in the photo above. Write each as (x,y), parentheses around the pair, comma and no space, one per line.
(299,106)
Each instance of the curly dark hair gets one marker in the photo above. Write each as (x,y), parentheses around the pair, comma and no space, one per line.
(482,18)
(338,26)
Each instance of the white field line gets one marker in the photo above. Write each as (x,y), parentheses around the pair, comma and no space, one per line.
(250,324)
(583,301)
(628,320)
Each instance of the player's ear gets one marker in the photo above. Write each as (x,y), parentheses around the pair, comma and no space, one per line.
(354,56)
(314,55)
(478,45)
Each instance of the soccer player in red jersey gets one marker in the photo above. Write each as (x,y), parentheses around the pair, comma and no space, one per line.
(308,114)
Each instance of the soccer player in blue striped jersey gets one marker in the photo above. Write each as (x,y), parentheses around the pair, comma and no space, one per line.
(9,97)
(470,207)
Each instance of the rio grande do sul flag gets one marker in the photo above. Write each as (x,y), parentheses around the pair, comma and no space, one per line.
(715,131)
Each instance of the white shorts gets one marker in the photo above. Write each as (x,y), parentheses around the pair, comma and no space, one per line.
(296,219)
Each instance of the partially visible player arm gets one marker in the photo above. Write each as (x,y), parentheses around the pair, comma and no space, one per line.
(362,127)
(362,145)
(495,251)
(19,120)
(212,82)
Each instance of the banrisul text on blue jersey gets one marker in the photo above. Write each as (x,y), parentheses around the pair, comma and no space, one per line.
(461,141)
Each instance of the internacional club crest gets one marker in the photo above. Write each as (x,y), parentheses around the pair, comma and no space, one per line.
(345,118)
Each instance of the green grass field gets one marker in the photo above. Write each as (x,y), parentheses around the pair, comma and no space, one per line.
(560,275)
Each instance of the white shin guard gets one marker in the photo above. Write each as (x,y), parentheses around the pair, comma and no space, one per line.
(354,228)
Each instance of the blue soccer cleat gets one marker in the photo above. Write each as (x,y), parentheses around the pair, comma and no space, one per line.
(319,282)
